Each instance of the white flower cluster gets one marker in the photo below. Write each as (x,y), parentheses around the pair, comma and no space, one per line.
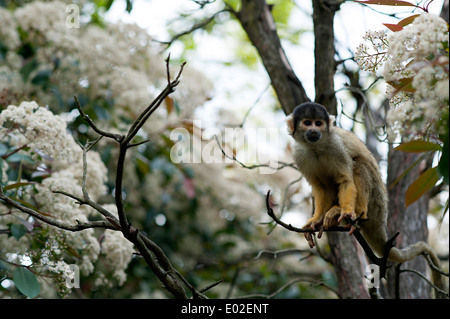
(118,252)
(416,53)
(39,129)
(116,63)
(42,20)
(371,57)
(413,45)
(9,37)
(35,126)
(416,68)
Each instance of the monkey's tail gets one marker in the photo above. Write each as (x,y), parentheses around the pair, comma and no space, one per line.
(401,255)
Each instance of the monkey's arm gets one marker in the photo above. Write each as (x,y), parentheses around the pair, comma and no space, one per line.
(321,204)
(323,201)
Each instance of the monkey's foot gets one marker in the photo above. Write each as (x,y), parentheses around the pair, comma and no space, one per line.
(351,218)
(332,217)
(314,223)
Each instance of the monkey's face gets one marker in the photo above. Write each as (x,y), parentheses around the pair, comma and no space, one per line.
(309,123)
(312,129)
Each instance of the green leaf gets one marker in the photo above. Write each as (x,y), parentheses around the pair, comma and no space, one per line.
(18,185)
(42,77)
(29,67)
(421,185)
(404,85)
(418,147)
(26,282)
(388,3)
(408,20)
(129,6)
(18,230)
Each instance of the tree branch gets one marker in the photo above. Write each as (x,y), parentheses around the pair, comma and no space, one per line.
(52,221)
(86,117)
(154,256)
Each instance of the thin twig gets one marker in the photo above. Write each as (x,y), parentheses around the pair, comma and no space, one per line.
(287,285)
(116,137)
(253,166)
(199,25)
(424,278)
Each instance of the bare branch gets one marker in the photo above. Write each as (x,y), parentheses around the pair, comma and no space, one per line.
(116,137)
(197,26)
(52,221)
(142,118)
(424,278)
(287,285)
(282,164)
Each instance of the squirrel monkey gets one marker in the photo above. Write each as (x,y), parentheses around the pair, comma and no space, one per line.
(346,182)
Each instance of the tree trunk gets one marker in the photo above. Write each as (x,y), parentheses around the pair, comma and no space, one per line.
(258,23)
(324,51)
(410,222)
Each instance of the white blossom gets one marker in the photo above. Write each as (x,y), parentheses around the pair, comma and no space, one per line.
(39,129)
(414,57)
(118,252)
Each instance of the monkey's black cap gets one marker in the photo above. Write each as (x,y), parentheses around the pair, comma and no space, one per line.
(310,110)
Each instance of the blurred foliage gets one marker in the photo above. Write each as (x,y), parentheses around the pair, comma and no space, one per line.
(175,228)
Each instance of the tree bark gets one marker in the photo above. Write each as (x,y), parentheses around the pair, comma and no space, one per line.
(324,51)
(410,222)
(257,21)
(444,10)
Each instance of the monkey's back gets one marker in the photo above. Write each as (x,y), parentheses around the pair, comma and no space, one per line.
(373,229)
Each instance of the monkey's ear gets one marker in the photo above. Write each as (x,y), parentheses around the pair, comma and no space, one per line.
(290,124)
(332,121)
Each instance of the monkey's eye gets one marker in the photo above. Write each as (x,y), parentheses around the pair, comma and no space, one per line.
(319,123)
(307,122)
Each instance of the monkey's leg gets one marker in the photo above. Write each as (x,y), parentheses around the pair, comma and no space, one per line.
(347,197)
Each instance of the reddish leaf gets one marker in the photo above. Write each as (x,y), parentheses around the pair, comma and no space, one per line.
(421,185)
(388,3)
(418,147)
(393,27)
(189,187)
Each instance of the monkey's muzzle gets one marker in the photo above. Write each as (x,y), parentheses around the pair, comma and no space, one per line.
(313,136)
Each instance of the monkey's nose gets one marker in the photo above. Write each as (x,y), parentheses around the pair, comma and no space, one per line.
(313,136)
